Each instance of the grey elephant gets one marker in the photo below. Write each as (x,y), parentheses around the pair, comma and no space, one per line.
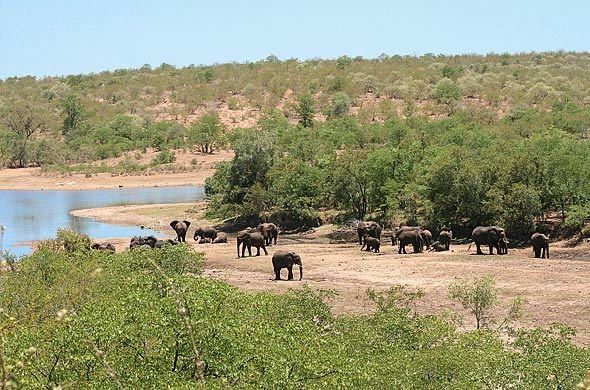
(205,232)
(205,240)
(368,229)
(409,236)
(426,238)
(161,243)
(540,245)
(180,227)
(248,239)
(284,259)
(147,241)
(444,237)
(437,246)
(503,244)
(103,246)
(372,244)
(487,235)
(270,231)
(220,239)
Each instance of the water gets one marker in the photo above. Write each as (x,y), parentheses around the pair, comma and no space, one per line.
(36,215)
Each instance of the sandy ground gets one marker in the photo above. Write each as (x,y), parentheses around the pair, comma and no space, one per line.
(34,179)
(556,290)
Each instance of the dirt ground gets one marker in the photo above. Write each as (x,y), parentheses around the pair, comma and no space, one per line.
(34,179)
(556,290)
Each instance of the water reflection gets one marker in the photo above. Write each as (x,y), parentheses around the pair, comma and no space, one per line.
(36,215)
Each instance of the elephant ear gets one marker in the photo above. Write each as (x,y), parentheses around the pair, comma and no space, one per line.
(173,224)
(187,223)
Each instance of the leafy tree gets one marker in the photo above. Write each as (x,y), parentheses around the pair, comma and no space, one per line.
(74,115)
(340,105)
(447,92)
(305,110)
(208,133)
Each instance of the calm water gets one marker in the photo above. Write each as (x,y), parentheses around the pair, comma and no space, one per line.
(35,215)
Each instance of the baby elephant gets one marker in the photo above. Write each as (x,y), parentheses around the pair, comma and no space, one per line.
(283,259)
(205,241)
(103,246)
(220,239)
(372,244)
(437,246)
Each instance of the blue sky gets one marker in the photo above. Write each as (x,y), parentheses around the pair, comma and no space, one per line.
(68,37)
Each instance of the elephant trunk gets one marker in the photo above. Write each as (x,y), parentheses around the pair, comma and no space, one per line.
(300,271)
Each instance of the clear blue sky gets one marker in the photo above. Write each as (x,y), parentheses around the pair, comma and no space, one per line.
(81,36)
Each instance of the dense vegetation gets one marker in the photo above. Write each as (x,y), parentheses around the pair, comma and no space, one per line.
(75,318)
(460,140)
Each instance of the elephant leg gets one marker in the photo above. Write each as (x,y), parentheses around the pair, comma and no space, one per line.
(478,247)
(537,252)
(290,276)
(275,238)
(257,251)
(277,273)
(547,251)
(264,249)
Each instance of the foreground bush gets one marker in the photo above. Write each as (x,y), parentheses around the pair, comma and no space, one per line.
(147,319)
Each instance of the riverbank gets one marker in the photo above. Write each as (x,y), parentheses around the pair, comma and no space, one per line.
(555,289)
(201,167)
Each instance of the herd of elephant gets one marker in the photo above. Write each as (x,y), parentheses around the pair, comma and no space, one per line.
(265,234)
(369,236)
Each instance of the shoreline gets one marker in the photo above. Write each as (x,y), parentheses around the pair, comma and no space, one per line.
(33,179)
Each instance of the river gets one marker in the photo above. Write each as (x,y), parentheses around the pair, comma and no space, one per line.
(29,215)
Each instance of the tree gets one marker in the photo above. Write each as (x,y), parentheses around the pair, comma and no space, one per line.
(340,105)
(23,122)
(73,113)
(305,111)
(208,133)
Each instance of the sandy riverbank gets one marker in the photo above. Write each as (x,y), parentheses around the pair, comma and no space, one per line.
(555,289)
(201,167)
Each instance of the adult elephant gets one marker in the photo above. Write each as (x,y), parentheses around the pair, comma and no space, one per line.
(400,230)
(409,236)
(284,259)
(248,239)
(487,235)
(369,229)
(444,238)
(205,232)
(143,241)
(180,227)
(270,231)
(540,245)
(426,238)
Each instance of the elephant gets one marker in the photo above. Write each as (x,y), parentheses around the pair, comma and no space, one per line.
(180,227)
(161,243)
(220,239)
(270,232)
(409,236)
(437,246)
(368,229)
(249,238)
(426,238)
(103,246)
(205,240)
(372,244)
(444,237)
(205,232)
(284,259)
(540,245)
(487,235)
(503,244)
(143,241)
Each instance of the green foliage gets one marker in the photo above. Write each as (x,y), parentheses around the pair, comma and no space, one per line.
(147,319)
(447,92)
(305,110)
(479,296)
(164,157)
(74,115)
(208,133)
(340,105)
